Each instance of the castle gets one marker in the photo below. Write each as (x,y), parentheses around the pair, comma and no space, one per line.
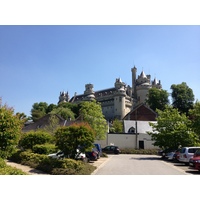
(118,101)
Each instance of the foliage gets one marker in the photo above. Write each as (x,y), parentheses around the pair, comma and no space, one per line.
(65,113)
(139,151)
(172,130)
(55,166)
(10,128)
(31,138)
(117,126)
(44,148)
(72,106)
(39,110)
(53,125)
(68,139)
(195,117)
(182,97)
(157,99)
(91,113)
(8,170)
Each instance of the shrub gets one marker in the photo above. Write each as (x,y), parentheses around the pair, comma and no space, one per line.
(44,148)
(139,151)
(30,139)
(8,170)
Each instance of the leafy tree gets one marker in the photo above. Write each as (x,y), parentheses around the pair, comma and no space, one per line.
(117,126)
(38,110)
(53,125)
(91,112)
(65,113)
(72,106)
(195,117)
(10,128)
(50,108)
(157,99)
(182,97)
(68,139)
(31,138)
(172,129)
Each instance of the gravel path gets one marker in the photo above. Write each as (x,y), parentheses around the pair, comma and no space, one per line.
(27,169)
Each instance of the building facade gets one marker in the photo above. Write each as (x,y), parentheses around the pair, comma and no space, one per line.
(117,101)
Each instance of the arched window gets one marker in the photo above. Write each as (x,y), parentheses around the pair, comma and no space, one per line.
(131,130)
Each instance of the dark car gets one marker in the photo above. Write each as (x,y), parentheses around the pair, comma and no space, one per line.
(92,155)
(111,149)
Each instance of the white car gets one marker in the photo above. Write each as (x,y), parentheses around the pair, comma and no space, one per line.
(60,155)
(186,153)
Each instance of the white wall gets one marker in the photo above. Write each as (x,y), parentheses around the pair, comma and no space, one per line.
(124,140)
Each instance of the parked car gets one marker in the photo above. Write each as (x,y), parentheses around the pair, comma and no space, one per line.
(98,147)
(195,162)
(165,152)
(60,155)
(92,155)
(176,155)
(111,149)
(186,154)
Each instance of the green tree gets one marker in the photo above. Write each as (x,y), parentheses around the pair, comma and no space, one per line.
(157,99)
(65,113)
(172,129)
(53,125)
(68,139)
(38,110)
(72,106)
(91,112)
(10,128)
(195,118)
(117,126)
(50,108)
(182,97)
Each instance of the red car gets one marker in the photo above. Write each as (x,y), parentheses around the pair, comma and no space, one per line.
(195,161)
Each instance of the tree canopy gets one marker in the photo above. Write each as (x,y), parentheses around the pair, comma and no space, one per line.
(10,128)
(157,99)
(172,129)
(68,139)
(91,112)
(182,97)
(195,117)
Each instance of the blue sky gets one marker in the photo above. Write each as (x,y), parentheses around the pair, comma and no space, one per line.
(37,62)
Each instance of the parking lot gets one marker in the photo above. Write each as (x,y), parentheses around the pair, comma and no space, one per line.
(183,167)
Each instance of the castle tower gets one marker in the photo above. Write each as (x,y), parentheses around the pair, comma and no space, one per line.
(119,99)
(64,97)
(142,87)
(134,71)
(89,93)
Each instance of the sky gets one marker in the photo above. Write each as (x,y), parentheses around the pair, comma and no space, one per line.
(37,62)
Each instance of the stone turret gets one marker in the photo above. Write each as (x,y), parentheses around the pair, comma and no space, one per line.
(64,97)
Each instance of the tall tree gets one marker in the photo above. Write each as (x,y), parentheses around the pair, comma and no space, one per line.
(10,128)
(157,98)
(195,117)
(182,97)
(172,129)
(38,110)
(91,112)
(65,113)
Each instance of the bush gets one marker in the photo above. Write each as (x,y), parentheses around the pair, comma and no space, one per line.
(54,166)
(44,148)
(30,139)
(8,170)
(139,151)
